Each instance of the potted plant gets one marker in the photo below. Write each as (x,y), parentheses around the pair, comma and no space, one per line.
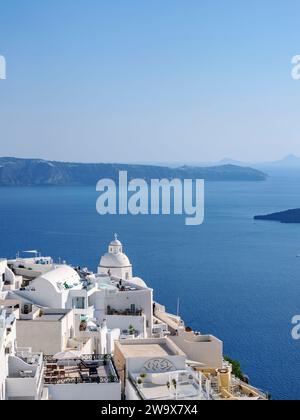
(131,330)
(83,326)
(174,383)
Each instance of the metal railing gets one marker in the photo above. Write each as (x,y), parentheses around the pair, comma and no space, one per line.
(104,360)
(78,380)
(126,312)
(84,357)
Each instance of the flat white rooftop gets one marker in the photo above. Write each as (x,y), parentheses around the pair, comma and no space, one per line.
(149,348)
(47,315)
(50,318)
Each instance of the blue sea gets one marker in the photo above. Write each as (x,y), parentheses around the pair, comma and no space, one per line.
(236,278)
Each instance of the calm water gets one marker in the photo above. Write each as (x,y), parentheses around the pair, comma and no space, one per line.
(236,278)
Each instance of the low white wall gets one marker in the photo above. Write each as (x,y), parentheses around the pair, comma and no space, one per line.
(131,393)
(81,392)
(207,350)
(48,337)
(124,322)
(44,337)
(21,388)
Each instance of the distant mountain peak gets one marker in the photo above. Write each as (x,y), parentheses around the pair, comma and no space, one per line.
(291,158)
(289,161)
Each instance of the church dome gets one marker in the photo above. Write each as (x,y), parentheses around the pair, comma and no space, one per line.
(116,242)
(115,258)
(139,282)
(111,260)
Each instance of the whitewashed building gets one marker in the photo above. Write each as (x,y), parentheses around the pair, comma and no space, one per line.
(80,320)
(115,262)
(89,377)
(156,369)
(21,370)
(51,331)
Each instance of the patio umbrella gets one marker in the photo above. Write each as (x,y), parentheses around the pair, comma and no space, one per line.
(68,355)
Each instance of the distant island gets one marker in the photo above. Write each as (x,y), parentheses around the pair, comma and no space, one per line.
(289,216)
(38,172)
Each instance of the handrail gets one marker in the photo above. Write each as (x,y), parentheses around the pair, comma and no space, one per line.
(75,381)
(110,378)
(84,357)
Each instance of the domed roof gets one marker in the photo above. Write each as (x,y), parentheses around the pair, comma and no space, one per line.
(139,282)
(63,274)
(116,242)
(119,260)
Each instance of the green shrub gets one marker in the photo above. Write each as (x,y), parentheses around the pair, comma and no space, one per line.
(236,368)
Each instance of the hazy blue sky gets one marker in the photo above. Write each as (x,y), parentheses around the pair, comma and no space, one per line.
(149,80)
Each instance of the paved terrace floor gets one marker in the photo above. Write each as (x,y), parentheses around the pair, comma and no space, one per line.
(147,350)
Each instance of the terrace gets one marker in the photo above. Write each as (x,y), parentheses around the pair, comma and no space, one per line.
(131,334)
(30,268)
(88,369)
(160,329)
(25,375)
(117,285)
(133,311)
(174,385)
(232,389)
(25,364)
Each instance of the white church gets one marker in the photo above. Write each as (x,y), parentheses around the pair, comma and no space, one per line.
(115,262)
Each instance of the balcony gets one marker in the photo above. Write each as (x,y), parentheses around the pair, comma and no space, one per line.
(174,385)
(160,330)
(25,354)
(133,311)
(89,369)
(131,334)
(232,389)
(25,375)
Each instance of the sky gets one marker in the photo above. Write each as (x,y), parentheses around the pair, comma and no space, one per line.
(149,81)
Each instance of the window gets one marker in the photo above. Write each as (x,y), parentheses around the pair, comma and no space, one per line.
(79,303)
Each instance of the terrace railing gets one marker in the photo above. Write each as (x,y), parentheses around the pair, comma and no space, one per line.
(87,361)
(76,381)
(126,312)
(84,357)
